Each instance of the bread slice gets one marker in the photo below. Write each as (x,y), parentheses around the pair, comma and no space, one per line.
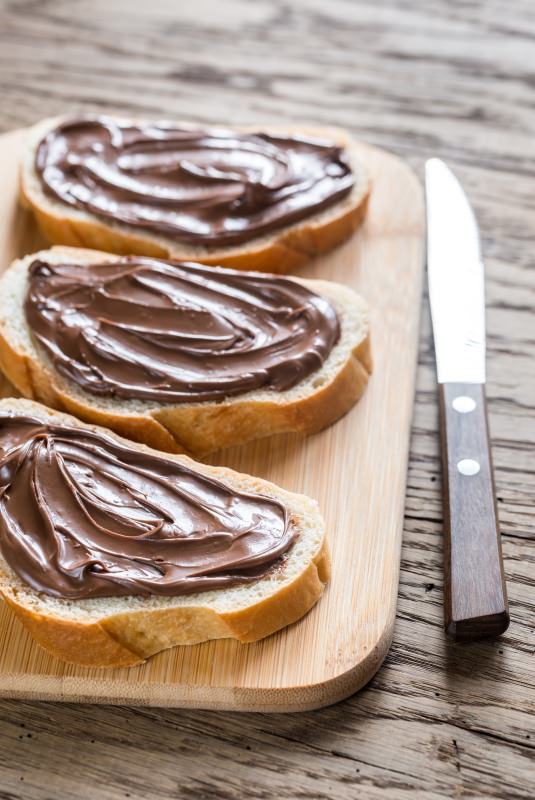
(122,631)
(281,251)
(196,428)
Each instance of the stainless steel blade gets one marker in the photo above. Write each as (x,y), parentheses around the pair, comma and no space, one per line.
(456,278)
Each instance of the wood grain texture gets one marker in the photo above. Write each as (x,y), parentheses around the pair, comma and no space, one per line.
(475,596)
(339,645)
(421,78)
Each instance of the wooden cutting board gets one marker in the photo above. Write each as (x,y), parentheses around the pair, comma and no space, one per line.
(356,470)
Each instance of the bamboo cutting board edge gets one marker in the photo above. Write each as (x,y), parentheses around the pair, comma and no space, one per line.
(214,698)
(310,673)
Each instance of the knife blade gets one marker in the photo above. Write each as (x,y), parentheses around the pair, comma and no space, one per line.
(475,597)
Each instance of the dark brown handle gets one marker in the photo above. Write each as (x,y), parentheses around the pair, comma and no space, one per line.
(475,596)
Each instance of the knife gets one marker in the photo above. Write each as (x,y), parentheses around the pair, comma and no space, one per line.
(475,596)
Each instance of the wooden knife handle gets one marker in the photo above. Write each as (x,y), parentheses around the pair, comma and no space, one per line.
(475,596)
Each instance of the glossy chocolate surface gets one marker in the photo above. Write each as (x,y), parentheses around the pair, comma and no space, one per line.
(211,187)
(84,516)
(176,332)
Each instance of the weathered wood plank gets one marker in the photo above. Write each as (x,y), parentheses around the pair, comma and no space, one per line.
(449,79)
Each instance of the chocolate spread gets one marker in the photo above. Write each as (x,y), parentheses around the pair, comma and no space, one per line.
(176,332)
(84,516)
(210,187)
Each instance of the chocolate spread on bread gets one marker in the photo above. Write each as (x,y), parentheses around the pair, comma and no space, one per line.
(176,332)
(82,515)
(211,187)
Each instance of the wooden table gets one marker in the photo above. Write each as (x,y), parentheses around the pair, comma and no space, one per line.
(453,79)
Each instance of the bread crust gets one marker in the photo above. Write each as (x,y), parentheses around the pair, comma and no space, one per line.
(127,639)
(283,251)
(131,636)
(198,428)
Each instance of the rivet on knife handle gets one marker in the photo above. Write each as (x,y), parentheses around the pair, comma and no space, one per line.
(475,599)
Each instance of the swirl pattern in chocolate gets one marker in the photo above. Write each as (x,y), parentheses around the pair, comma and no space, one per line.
(84,516)
(175,332)
(209,187)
